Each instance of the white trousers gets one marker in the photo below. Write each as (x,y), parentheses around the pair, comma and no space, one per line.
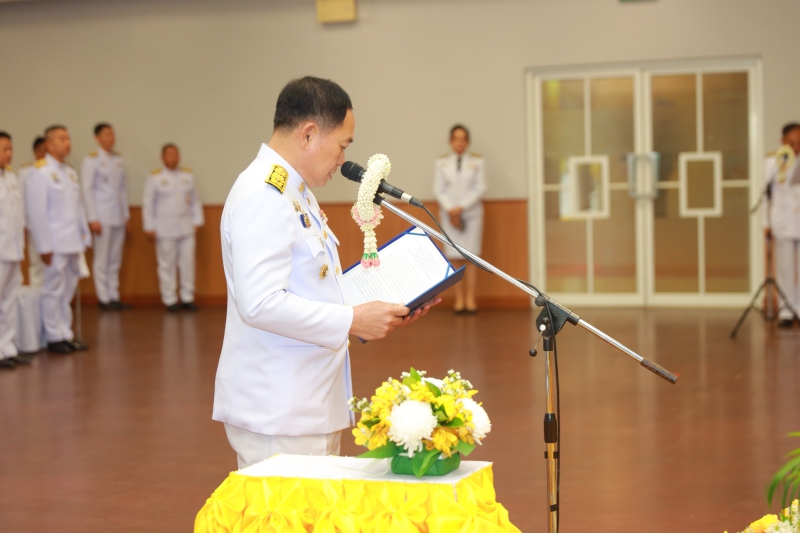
(172,252)
(107,261)
(60,282)
(35,265)
(787,263)
(10,280)
(252,448)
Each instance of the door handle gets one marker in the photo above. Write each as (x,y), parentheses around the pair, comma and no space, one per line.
(646,189)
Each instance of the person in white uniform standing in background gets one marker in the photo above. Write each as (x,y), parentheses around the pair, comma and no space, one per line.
(459,184)
(171,214)
(283,380)
(35,265)
(783,221)
(106,200)
(12,245)
(57,224)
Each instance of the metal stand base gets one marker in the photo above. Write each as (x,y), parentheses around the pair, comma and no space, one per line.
(766,313)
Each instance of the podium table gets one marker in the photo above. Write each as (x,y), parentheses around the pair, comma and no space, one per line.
(296,493)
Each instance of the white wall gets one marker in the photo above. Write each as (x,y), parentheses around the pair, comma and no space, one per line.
(206,73)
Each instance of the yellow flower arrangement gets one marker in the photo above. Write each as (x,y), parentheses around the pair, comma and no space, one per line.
(787,522)
(418,420)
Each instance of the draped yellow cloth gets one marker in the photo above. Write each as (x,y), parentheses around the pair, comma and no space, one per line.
(247,504)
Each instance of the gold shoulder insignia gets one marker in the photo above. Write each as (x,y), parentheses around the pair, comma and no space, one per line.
(278,177)
(155,171)
(40,163)
(772,153)
(93,154)
(443,156)
(474,154)
(26,165)
(9,168)
(186,169)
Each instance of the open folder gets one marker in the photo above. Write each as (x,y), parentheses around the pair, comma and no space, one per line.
(413,271)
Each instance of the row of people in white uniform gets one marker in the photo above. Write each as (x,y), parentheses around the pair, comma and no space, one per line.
(63,213)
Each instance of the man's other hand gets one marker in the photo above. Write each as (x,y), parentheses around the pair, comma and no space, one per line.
(47,258)
(96,227)
(374,320)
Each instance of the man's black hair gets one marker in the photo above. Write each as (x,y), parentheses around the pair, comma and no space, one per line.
(790,127)
(37,142)
(100,127)
(5,135)
(54,127)
(459,127)
(169,145)
(309,98)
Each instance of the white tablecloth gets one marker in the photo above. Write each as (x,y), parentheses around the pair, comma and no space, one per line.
(316,467)
(30,327)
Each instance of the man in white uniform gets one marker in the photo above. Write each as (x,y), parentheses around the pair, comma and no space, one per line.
(106,200)
(459,184)
(12,244)
(283,379)
(171,214)
(783,221)
(35,265)
(57,224)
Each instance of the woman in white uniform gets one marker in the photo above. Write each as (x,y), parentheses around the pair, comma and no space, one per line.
(459,185)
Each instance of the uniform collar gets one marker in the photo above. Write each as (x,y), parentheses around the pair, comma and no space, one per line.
(171,171)
(102,152)
(55,162)
(268,155)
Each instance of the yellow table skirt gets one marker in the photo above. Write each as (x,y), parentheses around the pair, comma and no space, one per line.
(261,504)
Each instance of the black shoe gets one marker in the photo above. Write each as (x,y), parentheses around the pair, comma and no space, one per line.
(109,306)
(22,359)
(174,308)
(189,306)
(59,347)
(122,306)
(76,346)
(785,323)
(7,363)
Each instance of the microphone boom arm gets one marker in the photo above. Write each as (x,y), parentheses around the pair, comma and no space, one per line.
(570,316)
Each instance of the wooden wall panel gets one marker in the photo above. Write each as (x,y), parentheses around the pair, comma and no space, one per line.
(505,244)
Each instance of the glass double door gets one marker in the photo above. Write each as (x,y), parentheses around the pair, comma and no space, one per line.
(642,179)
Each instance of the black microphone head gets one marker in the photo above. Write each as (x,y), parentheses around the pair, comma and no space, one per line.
(353,171)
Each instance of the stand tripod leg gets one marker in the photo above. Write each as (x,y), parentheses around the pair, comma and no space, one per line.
(749,307)
(550,439)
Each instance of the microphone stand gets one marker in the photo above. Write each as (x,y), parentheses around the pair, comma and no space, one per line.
(769,281)
(550,321)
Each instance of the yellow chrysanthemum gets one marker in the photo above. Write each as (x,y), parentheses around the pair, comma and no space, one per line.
(449,404)
(443,440)
(761,525)
(421,393)
(380,434)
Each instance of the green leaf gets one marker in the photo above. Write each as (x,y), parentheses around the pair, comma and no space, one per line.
(408,381)
(434,389)
(454,423)
(464,448)
(441,416)
(423,461)
(371,422)
(390,449)
(415,375)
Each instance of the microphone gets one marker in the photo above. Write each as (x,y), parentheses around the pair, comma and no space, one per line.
(355,172)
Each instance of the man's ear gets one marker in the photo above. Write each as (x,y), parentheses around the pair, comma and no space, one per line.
(308,131)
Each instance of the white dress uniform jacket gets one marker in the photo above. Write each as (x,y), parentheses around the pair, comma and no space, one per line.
(12,217)
(284,367)
(35,265)
(55,215)
(461,188)
(784,208)
(171,206)
(104,192)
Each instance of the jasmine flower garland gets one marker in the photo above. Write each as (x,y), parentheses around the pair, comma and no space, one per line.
(366,214)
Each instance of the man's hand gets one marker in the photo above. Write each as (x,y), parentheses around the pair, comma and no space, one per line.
(420,311)
(47,258)
(150,235)
(767,233)
(455,217)
(96,227)
(374,320)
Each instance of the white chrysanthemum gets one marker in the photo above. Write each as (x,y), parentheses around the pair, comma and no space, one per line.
(479,419)
(411,422)
(781,527)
